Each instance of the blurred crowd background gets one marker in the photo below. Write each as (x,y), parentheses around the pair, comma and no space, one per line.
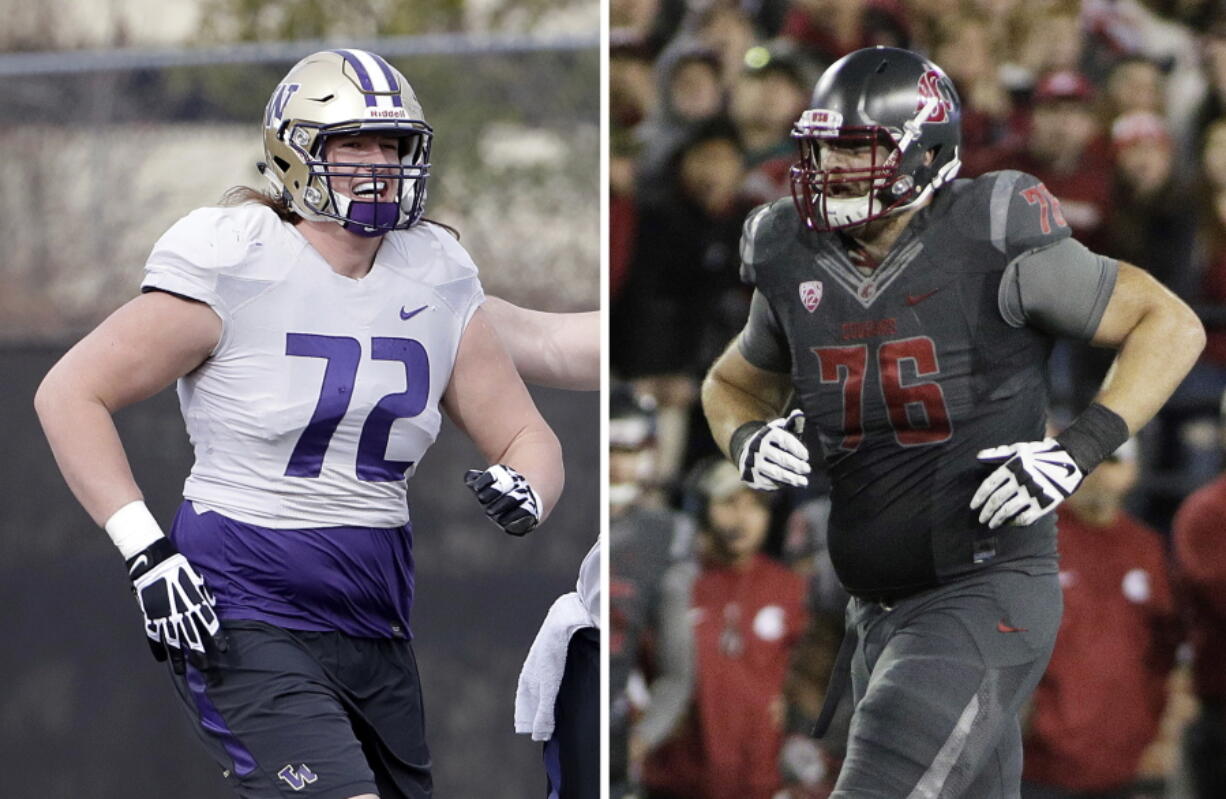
(118,118)
(1119,106)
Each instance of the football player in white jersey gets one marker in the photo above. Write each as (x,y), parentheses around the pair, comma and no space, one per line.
(315,333)
(557,700)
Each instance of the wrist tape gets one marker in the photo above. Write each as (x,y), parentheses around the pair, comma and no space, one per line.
(1095,434)
(133,528)
(741,435)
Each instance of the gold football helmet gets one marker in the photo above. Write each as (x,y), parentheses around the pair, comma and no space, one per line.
(338,92)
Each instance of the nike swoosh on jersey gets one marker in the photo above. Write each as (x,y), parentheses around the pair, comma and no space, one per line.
(1001,627)
(410,314)
(916,299)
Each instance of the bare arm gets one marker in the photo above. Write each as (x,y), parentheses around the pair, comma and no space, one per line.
(489,402)
(139,350)
(1159,339)
(560,350)
(735,392)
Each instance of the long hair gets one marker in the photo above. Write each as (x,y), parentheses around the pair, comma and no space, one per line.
(241,195)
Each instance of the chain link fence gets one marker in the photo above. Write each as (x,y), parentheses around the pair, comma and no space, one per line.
(103,154)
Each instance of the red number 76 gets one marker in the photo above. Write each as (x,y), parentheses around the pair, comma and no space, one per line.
(1049,206)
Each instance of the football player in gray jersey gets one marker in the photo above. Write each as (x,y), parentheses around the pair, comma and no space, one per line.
(906,317)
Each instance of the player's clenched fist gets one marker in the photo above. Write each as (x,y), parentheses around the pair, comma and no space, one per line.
(1033,478)
(180,621)
(771,454)
(507,498)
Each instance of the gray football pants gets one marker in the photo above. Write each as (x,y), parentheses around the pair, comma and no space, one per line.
(938,680)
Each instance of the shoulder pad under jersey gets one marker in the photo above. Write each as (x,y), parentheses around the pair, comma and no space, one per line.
(768,230)
(1022,214)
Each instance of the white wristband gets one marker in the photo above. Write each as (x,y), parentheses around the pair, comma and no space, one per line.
(133,528)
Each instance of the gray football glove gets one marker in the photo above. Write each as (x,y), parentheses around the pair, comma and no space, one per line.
(1033,478)
(507,498)
(180,621)
(774,455)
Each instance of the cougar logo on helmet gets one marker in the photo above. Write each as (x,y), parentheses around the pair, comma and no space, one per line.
(337,93)
(931,89)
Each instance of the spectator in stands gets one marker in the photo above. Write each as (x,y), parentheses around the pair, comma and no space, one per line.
(727,31)
(690,93)
(1213,235)
(767,99)
(632,88)
(747,611)
(648,604)
(1066,148)
(1051,40)
(1147,228)
(769,93)
(683,297)
(970,48)
(1200,557)
(623,211)
(826,30)
(1099,704)
(1135,84)
(652,22)
(1212,102)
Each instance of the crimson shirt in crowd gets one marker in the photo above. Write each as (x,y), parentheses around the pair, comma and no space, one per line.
(1200,557)
(746,623)
(1084,194)
(1100,702)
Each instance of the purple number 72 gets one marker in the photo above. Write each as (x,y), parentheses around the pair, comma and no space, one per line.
(342,354)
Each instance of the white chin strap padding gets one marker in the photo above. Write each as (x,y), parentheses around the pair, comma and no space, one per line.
(845,211)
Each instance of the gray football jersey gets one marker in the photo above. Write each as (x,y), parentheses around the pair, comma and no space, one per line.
(905,374)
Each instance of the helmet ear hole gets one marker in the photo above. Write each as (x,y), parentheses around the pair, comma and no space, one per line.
(281,163)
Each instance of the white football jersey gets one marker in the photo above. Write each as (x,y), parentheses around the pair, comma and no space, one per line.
(588,584)
(322,394)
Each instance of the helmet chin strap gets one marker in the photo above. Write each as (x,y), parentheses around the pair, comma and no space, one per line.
(367,218)
(846,211)
(371,218)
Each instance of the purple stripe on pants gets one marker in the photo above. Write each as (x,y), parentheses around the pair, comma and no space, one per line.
(211,720)
(553,767)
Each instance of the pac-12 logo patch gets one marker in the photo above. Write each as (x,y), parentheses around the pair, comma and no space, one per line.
(811,294)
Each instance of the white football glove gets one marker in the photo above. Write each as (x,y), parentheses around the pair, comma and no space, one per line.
(1033,478)
(508,499)
(774,456)
(180,620)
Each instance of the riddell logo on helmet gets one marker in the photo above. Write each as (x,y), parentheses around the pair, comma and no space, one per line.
(932,84)
(386,113)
